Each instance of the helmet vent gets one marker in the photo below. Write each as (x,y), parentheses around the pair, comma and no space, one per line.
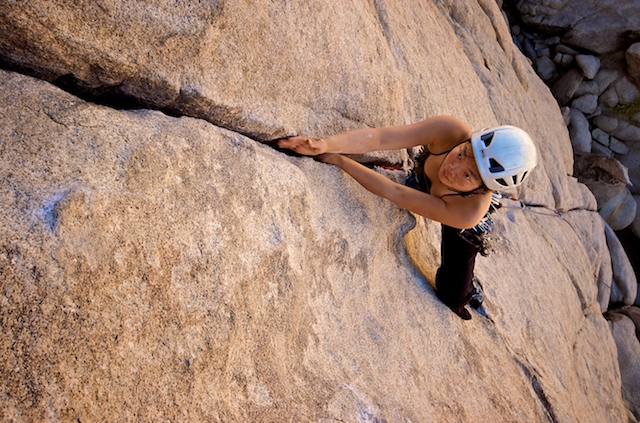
(515,179)
(502,182)
(487,138)
(495,167)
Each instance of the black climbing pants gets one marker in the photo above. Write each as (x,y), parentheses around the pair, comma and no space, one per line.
(454,280)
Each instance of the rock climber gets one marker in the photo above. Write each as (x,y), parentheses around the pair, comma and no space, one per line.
(453,181)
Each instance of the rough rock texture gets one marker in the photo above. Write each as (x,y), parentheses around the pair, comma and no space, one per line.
(164,268)
(615,20)
(624,288)
(632,57)
(624,332)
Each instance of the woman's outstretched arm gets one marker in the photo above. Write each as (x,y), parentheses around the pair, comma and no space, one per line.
(434,130)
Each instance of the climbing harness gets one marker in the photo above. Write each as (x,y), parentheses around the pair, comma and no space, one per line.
(480,235)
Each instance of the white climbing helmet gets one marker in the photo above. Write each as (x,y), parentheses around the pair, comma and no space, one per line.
(505,155)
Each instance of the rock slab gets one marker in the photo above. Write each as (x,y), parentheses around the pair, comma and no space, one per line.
(164,268)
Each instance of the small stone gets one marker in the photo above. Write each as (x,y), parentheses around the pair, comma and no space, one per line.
(623,331)
(627,132)
(625,286)
(606,123)
(635,225)
(596,147)
(590,65)
(587,87)
(545,68)
(587,104)
(562,59)
(553,41)
(636,117)
(618,146)
(632,161)
(565,87)
(600,136)
(557,59)
(544,52)
(566,50)
(615,204)
(633,61)
(517,42)
(609,97)
(627,91)
(606,77)
(529,50)
(567,60)
(595,113)
(515,30)
(579,132)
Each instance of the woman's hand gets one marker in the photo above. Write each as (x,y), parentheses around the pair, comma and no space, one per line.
(307,146)
(329,158)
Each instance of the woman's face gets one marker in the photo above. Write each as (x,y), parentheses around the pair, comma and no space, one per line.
(459,170)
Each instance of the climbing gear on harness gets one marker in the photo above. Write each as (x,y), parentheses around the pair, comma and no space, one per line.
(477,296)
(480,235)
(505,155)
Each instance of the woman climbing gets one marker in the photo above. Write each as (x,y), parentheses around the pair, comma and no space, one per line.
(452,183)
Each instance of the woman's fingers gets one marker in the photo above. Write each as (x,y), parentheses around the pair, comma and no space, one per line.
(304,145)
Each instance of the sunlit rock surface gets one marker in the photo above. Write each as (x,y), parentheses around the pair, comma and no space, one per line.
(157,267)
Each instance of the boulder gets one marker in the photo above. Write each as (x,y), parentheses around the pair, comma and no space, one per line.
(563,59)
(635,225)
(632,313)
(632,56)
(606,123)
(618,146)
(597,26)
(627,132)
(579,132)
(627,91)
(601,136)
(631,160)
(597,168)
(587,87)
(165,264)
(624,287)
(615,203)
(628,346)
(566,86)
(601,149)
(588,64)
(610,98)
(587,103)
(545,67)
(605,78)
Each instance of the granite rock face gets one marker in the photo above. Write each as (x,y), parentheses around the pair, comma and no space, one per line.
(158,267)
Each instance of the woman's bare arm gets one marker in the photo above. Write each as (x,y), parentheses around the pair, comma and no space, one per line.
(453,211)
(432,131)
